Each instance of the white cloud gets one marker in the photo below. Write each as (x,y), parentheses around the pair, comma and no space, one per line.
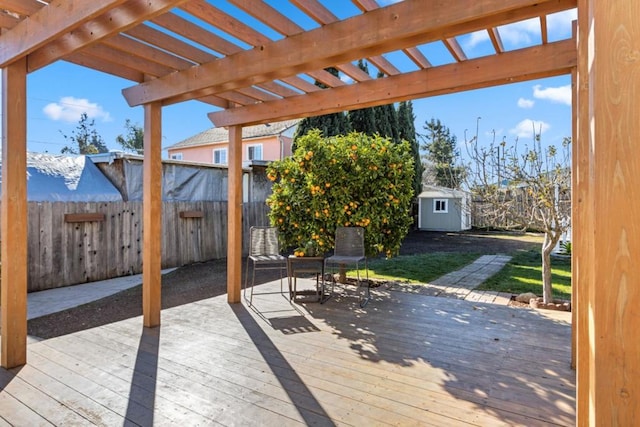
(521,32)
(560,94)
(69,109)
(476,38)
(345,78)
(526,32)
(560,23)
(525,128)
(526,103)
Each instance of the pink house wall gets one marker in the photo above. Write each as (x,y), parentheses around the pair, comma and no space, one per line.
(271,148)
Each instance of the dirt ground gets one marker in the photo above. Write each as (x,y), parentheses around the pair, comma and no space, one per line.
(207,279)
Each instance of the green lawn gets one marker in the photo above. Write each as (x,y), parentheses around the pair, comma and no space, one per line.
(421,268)
(524,274)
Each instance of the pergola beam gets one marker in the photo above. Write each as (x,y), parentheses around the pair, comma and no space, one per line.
(395,27)
(114,21)
(59,16)
(526,64)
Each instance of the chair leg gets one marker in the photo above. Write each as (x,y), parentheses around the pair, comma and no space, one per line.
(246,280)
(364,301)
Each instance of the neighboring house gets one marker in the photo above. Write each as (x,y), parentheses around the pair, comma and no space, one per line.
(271,141)
(444,209)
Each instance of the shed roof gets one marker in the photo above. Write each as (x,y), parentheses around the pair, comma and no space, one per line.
(434,191)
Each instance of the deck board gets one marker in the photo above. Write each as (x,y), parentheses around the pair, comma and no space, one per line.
(406,359)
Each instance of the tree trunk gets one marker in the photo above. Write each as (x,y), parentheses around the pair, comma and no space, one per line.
(342,274)
(547,246)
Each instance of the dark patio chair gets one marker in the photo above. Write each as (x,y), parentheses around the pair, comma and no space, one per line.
(349,250)
(264,254)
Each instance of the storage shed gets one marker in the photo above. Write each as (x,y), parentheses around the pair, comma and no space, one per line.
(444,209)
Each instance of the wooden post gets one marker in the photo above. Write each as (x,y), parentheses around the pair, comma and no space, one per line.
(152,213)
(582,218)
(614,294)
(234,233)
(14,215)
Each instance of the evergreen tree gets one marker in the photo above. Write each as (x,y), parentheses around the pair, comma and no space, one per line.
(441,147)
(84,139)
(407,132)
(385,117)
(364,119)
(328,124)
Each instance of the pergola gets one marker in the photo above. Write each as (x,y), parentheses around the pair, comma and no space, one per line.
(173,51)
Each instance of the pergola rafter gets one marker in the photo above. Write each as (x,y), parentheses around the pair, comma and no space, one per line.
(179,50)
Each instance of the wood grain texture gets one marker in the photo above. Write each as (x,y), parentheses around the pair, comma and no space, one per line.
(84,217)
(583,257)
(59,18)
(152,216)
(525,64)
(234,216)
(62,254)
(13,222)
(405,360)
(402,25)
(614,301)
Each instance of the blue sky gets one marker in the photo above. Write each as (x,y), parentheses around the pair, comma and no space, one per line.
(59,93)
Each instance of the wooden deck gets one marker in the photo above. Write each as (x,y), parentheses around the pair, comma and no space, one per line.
(405,359)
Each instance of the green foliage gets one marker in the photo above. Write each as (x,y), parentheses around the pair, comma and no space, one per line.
(133,141)
(442,153)
(352,180)
(84,139)
(328,124)
(565,248)
(407,132)
(524,274)
(421,268)
(364,119)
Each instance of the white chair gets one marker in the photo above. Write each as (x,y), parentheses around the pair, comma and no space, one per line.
(349,250)
(264,254)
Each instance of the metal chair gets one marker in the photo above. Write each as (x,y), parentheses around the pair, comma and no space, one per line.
(264,254)
(349,250)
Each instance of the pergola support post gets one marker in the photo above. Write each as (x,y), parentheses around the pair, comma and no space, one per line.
(13,249)
(613,383)
(152,216)
(234,237)
(581,217)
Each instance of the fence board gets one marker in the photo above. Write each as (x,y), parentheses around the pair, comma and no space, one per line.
(62,254)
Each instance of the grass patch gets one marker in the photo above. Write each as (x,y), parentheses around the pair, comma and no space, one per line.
(524,274)
(421,268)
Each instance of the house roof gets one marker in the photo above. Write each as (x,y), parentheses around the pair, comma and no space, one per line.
(217,135)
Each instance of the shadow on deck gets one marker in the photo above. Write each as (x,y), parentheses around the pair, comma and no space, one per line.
(405,359)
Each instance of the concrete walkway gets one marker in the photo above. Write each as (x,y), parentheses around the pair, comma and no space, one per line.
(50,301)
(460,283)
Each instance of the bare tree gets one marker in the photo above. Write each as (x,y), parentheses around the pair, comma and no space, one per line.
(523,188)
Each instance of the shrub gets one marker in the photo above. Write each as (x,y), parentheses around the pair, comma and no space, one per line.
(352,180)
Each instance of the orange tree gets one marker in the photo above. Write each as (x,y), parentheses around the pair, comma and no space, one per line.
(352,180)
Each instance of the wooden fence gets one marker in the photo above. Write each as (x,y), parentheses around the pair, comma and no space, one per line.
(71,243)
